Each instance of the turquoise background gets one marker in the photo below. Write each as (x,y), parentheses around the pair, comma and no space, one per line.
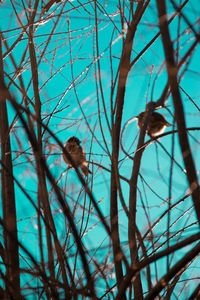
(146,82)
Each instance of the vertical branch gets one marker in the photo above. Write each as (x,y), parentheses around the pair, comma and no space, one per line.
(123,74)
(42,188)
(63,203)
(138,294)
(172,70)
(8,195)
(124,69)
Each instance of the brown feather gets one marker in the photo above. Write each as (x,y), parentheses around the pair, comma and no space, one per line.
(85,170)
(157,123)
(77,153)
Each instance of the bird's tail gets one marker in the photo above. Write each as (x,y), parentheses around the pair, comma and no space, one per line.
(167,124)
(85,170)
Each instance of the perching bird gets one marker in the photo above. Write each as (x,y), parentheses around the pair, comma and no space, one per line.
(77,153)
(157,123)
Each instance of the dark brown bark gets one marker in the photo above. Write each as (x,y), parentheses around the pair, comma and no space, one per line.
(137,267)
(124,69)
(8,195)
(63,203)
(195,294)
(172,70)
(123,73)
(132,205)
(42,188)
(163,282)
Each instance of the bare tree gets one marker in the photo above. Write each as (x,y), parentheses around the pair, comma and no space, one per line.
(129,230)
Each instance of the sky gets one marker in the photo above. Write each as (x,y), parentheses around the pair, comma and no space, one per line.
(71,56)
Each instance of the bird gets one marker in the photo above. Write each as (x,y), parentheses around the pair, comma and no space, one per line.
(157,123)
(73,147)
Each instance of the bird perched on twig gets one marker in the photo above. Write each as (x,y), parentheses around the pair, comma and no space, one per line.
(77,153)
(157,123)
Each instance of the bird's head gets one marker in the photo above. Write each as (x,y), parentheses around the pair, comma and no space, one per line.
(74,139)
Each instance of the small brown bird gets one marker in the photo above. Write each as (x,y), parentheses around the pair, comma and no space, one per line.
(157,123)
(77,153)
